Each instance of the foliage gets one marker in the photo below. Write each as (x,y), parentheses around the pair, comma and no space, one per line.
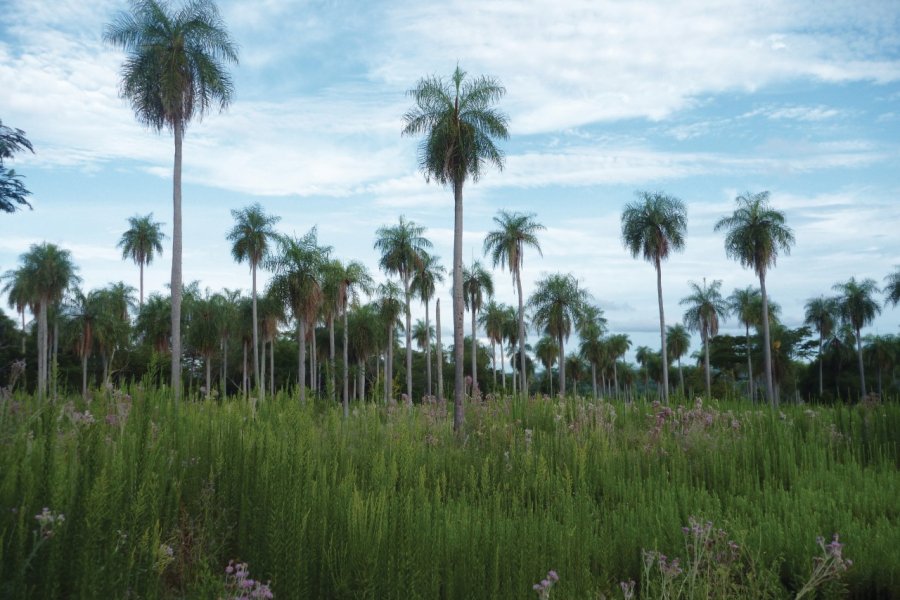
(13,192)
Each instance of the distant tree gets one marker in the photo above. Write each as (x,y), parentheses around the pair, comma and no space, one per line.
(424,284)
(754,236)
(13,192)
(355,278)
(478,285)
(706,308)
(857,307)
(618,345)
(591,327)
(821,314)
(679,343)
(547,351)
(644,355)
(881,351)
(743,304)
(460,125)
(139,243)
(492,319)
(390,307)
(892,286)
(652,227)
(174,70)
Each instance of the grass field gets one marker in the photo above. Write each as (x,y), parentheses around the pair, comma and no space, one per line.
(157,498)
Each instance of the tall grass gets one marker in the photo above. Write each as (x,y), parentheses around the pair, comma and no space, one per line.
(390,504)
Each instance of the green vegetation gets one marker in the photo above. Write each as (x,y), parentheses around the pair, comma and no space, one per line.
(158,496)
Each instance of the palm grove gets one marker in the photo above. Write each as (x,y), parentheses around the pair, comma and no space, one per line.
(323,327)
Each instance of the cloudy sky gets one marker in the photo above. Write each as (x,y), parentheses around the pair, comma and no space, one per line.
(701,100)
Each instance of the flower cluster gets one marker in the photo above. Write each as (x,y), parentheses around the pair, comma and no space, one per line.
(829,566)
(49,521)
(543,588)
(627,589)
(82,418)
(239,585)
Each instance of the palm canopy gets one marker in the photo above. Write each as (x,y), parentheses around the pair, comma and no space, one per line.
(296,267)
(820,313)
(506,244)
(856,302)
(706,307)
(591,323)
(143,239)
(251,234)
(493,319)
(402,247)
(427,276)
(390,304)
(756,233)
(557,304)
(547,351)
(477,285)
(12,190)
(460,124)
(892,286)
(175,65)
(679,341)
(654,226)
(422,334)
(47,271)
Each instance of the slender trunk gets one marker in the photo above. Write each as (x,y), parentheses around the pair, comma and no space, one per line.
(562,366)
(750,363)
(176,290)
(262,371)
(706,363)
(616,377)
(314,362)
(346,397)
(390,364)
(767,345)
(662,334)
(331,356)
(272,364)
(474,352)
(409,392)
(594,379)
(494,362)
(208,360)
(244,371)
(257,368)
(550,378)
(427,352)
(42,349)
(84,363)
(301,360)
(55,363)
(24,336)
(386,385)
(502,367)
(820,364)
(680,377)
(458,379)
(862,373)
(142,283)
(440,350)
(361,376)
(523,376)
(515,376)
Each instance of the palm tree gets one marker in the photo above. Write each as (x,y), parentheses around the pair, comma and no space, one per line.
(755,234)
(679,343)
(46,273)
(175,69)
(139,243)
(332,281)
(506,246)
(389,308)
(706,307)
(365,337)
(82,310)
(112,328)
(271,312)
(402,248)
(547,351)
(203,333)
(424,282)
(227,314)
(892,287)
(617,345)
(477,284)
(882,353)
(296,280)
(460,125)
(510,334)
(355,278)
(18,297)
(251,236)
(492,319)
(591,327)
(557,304)
(653,226)
(154,322)
(12,191)
(821,315)
(857,308)
(744,304)
(644,356)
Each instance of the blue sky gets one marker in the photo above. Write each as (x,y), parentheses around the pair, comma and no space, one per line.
(701,100)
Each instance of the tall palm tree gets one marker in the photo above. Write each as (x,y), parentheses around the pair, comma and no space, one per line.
(706,307)
(175,69)
(679,343)
(140,243)
(424,282)
(112,329)
(355,278)
(557,304)
(510,334)
(365,337)
(18,297)
(881,351)
(271,313)
(744,304)
(492,318)
(591,327)
(857,307)
(46,272)
(402,248)
(477,284)
(389,308)
(617,345)
(251,237)
(296,280)
(506,246)
(154,322)
(460,125)
(754,236)
(644,356)
(227,308)
(547,351)
(203,333)
(654,226)
(821,314)
(892,287)
(332,281)
(82,311)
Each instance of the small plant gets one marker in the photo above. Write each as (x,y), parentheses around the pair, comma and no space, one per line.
(829,566)
(543,588)
(239,585)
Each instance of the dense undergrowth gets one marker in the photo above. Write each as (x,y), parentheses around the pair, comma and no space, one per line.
(157,498)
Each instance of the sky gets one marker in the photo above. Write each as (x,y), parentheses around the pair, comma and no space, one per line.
(702,100)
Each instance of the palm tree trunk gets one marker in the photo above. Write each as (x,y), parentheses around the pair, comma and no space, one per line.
(314,362)
(502,367)
(390,364)
(440,350)
(594,379)
(141,263)
(361,386)
(706,364)
(55,364)
(680,377)
(257,369)
(562,366)
(427,352)
(331,355)
(862,372)
(767,345)
(458,380)
(662,334)
(550,377)
(301,357)
(616,377)
(24,336)
(42,349)
(820,365)
(524,374)
(262,371)
(409,393)
(272,364)
(474,352)
(346,396)
(84,363)
(386,380)
(208,361)
(176,290)
(224,384)
(750,364)
(244,385)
